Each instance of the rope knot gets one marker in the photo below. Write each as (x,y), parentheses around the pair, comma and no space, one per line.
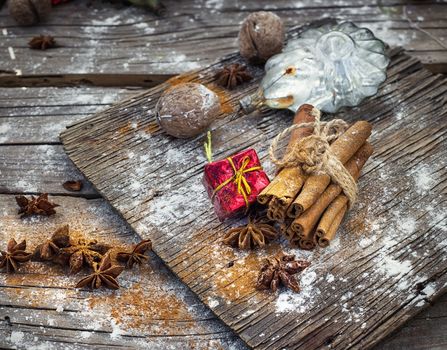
(309,153)
(312,153)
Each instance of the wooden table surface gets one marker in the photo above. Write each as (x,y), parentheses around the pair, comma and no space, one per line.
(106,54)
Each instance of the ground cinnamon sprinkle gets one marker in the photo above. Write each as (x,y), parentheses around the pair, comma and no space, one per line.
(224,98)
(238,280)
(134,306)
(358,223)
(182,78)
(125,128)
(149,298)
(152,127)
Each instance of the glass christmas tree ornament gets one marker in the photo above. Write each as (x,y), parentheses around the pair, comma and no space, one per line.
(329,67)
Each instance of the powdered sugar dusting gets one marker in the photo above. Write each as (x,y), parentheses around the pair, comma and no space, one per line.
(16,337)
(302,301)
(392,267)
(423,179)
(173,207)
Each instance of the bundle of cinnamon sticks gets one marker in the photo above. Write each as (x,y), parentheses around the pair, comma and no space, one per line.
(310,208)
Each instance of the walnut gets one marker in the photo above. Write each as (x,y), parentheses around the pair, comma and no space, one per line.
(186,110)
(261,36)
(29,12)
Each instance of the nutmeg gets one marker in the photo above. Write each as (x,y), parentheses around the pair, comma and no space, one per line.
(261,36)
(29,12)
(186,110)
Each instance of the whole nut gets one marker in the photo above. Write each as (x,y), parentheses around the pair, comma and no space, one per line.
(29,12)
(186,110)
(261,36)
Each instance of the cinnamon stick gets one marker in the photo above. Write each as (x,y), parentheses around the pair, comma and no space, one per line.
(284,227)
(304,224)
(343,148)
(330,221)
(289,181)
(312,189)
(307,243)
(270,214)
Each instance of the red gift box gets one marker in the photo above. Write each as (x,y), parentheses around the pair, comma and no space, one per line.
(234,183)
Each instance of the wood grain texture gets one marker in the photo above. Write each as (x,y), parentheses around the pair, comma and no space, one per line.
(130,46)
(37,115)
(31,158)
(30,115)
(40,307)
(38,169)
(388,262)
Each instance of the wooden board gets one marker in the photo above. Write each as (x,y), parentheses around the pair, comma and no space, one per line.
(40,307)
(32,160)
(103,45)
(388,262)
(34,117)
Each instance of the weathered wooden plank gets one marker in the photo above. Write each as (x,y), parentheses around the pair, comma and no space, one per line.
(40,307)
(388,262)
(22,324)
(108,47)
(38,115)
(417,333)
(30,122)
(37,169)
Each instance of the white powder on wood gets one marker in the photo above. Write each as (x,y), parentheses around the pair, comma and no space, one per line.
(392,268)
(423,180)
(302,301)
(16,337)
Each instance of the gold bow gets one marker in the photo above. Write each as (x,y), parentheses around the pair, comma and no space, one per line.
(243,188)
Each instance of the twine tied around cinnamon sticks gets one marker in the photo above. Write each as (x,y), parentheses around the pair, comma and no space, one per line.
(313,155)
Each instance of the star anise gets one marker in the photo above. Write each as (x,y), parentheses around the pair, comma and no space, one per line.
(51,249)
(104,273)
(42,42)
(36,205)
(232,76)
(280,269)
(14,255)
(255,233)
(84,253)
(137,255)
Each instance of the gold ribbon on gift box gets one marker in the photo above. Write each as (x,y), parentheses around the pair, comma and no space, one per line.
(238,178)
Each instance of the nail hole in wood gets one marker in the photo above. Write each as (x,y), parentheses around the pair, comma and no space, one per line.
(8,320)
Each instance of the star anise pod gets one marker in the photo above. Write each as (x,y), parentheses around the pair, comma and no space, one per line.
(84,253)
(280,269)
(104,273)
(51,249)
(42,42)
(36,205)
(137,255)
(232,76)
(14,255)
(255,233)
